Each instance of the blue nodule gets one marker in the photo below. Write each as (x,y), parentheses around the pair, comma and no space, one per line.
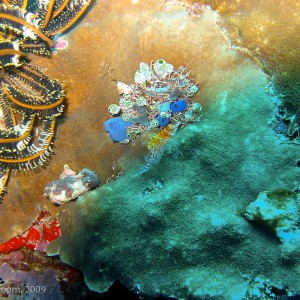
(116,127)
(162,121)
(178,106)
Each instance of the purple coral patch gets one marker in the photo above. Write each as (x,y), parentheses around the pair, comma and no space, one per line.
(61,44)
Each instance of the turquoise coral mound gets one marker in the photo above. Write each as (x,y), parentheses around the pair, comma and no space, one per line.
(177,230)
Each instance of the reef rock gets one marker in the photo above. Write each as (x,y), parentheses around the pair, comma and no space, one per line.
(70,186)
(260,288)
(26,274)
(279,211)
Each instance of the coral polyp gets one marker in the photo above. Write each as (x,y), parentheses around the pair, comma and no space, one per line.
(28,98)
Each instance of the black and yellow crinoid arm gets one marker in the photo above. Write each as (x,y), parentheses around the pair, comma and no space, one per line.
(17,138)
(27,90)
(59,6)
(21,23)
(10,55)
(8,119)
(29,100)
(36,47)
(65,15)
(19,3)
(45,10)
(12,18)
(4,174)
(34,155)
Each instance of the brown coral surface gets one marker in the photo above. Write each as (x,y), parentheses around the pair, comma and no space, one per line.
(266,28)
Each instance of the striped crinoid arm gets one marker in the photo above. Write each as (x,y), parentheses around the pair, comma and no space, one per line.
(36,47)
(45,10)
(23,43)
(23,24)
(35,154)
(12,18)
(59,6)
(65,15)
(4,174)
(19,3)
(36,29)
(10,39)
(10,55)
(17,137)
(7,120)
(27,90)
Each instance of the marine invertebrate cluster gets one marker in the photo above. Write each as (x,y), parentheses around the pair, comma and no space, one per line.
(160,98)
(29,100)
(71,185)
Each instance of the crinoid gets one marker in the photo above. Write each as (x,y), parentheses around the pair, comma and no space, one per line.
(28,98)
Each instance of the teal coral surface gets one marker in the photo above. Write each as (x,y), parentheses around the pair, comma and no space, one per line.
(188,238)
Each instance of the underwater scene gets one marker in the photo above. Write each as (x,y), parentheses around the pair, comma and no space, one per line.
(149,149)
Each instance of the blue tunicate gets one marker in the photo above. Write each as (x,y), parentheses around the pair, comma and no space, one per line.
(162,120)
(178,106)
(116,127)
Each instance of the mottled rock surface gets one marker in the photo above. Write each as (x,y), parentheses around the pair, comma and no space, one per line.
(71,185)
(279,211)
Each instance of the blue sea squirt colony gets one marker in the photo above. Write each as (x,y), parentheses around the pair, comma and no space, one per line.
(161,98)
(28,97)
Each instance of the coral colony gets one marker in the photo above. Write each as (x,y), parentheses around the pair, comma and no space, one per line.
(160,98)
(28,98)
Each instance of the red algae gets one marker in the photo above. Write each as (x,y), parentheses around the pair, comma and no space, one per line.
(43,230)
